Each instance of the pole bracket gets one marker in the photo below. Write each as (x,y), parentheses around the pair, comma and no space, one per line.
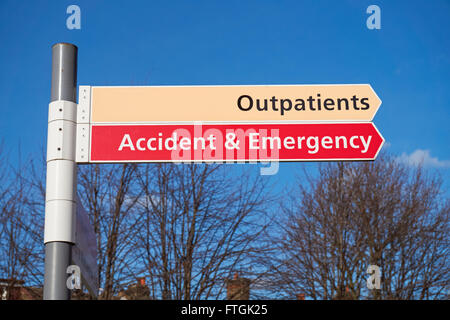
(83,125)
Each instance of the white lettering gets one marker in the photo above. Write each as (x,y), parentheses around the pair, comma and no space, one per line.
(289,143)
(185,143)
(138,144)
(365,143)
(202,140)
(315,146)
(351,142)
(272,142)
(149,144)
(344,140)
(172,139)
(300,139)
(328,141)
(253,138)
(126,139)
(211,140)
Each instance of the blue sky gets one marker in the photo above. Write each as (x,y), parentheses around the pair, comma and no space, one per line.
(407,61)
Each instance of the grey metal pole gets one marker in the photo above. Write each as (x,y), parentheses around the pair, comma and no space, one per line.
(57,258)
(58,253)
(64,72)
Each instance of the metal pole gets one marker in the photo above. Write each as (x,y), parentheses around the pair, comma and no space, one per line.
(61,172)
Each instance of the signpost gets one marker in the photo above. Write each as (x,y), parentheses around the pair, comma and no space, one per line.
(183,124)
(61,172)
(68,236)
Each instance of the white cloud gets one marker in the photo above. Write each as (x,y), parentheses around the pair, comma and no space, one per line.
(386,145)
(423,157)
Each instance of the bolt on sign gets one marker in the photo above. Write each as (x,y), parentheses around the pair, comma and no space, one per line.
(227,123)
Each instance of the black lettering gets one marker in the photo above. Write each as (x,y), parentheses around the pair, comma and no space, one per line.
(300,103)
(318,102)
(363,102)
(327,103)
(355,99)
(283,109)
(311,100)
(339,103)
(260,108)
(250,105)
(274,100)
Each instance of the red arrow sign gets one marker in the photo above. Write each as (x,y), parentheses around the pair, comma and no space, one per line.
(234,142)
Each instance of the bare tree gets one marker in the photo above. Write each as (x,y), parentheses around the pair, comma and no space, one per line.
(353,215)
(21,226)
(198,223)
(108,195)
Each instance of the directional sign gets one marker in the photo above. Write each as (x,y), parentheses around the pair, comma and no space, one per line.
(235,142)
(356,102)
(84,252)
(167,124)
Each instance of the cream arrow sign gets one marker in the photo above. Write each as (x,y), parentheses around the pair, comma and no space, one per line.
(225,104)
